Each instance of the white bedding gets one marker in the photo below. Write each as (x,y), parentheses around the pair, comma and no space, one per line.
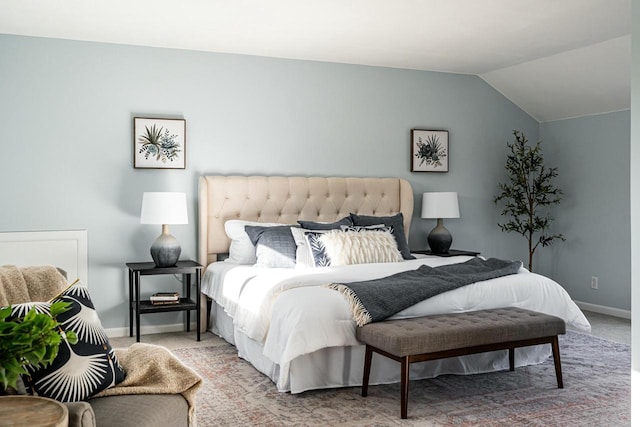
(290,314)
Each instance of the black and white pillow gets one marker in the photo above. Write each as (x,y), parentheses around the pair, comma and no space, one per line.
(304,257)
(316,247)
(361,228)
(309,250)
(80,370)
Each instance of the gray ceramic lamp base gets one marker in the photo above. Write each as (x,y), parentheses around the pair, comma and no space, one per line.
(439,239)
(165,250)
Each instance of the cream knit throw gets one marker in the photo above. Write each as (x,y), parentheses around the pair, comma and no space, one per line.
(152,369)
(29,284)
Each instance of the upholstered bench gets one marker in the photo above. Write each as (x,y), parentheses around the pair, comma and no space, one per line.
(448,335)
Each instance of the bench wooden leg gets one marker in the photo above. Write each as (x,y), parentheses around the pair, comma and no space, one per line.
(512,359)
(404,387)
(405,362)
(556,360)
(367,369)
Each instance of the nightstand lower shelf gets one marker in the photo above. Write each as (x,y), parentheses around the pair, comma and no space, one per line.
(147,307)
(450,253)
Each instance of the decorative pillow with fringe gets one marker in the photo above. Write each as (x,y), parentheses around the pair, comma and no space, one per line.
(352,247)
(395,221)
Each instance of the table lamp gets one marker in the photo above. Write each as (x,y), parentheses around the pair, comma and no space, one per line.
(164,208)
(440,205)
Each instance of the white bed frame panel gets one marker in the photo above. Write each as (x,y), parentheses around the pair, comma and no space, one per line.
(66,249)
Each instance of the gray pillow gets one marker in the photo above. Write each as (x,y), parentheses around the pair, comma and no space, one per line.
(395,221)
(275,246)
(312,225)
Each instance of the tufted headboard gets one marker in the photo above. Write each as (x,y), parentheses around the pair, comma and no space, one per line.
(288,199)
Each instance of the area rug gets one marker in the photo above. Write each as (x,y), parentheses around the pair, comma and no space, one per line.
(596,378)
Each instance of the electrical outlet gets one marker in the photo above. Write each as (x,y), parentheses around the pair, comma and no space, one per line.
(594,282)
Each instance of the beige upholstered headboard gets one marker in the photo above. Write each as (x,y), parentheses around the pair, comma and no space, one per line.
(288,199)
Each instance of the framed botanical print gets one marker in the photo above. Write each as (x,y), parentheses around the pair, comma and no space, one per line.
(159,143)
(429,150)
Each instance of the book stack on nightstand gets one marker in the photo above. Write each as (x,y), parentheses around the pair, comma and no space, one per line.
(164,298)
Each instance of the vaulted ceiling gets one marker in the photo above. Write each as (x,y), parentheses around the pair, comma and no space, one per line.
(555,59)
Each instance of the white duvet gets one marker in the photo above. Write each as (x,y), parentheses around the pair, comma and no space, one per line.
(291,313)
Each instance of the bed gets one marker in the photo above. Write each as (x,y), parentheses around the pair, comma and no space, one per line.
(290,326)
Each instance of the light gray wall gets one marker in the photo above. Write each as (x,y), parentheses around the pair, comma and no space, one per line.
(591,154)
(66,137)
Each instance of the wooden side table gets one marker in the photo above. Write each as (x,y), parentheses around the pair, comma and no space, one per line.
(186,304)
(32,411)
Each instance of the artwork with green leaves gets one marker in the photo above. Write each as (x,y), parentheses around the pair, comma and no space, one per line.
(159,143)
(429,150)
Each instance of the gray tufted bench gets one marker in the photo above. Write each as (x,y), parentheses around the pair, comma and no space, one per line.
(448,335)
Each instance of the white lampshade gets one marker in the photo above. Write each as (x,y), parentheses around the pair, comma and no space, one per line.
(440,205)
(164,208)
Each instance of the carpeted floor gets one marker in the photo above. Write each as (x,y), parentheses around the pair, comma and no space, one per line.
(596,393)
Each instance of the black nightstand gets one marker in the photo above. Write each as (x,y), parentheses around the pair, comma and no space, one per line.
(452,252)
(186,268)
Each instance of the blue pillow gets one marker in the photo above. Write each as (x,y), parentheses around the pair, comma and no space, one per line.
(275,246)
(395,221)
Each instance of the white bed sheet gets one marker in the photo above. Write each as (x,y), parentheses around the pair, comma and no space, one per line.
(284,318)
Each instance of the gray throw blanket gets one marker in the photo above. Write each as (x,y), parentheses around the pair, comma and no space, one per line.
(378,299)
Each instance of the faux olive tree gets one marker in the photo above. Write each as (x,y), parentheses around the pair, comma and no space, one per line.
(527,193)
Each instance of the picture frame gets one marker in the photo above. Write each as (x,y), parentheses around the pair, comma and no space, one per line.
(429,150)
(159,143)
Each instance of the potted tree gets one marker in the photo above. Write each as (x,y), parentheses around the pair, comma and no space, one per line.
(526,194)
(32,340)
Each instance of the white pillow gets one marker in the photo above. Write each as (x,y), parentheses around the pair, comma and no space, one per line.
(352,247)
(241,250)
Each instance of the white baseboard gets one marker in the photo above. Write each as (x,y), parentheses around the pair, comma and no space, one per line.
(602,309)
(148,330)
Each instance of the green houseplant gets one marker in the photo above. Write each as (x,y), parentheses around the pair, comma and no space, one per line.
(30,340)
(526,194)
